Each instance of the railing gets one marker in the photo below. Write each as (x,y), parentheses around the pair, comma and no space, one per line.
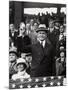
(36,82)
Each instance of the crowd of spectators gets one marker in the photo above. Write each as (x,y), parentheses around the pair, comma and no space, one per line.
(20,58)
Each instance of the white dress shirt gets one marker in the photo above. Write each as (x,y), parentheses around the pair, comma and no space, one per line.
(42,42)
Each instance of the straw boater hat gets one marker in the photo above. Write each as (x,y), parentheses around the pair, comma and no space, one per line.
(21,61)
(42,27)
(13,50)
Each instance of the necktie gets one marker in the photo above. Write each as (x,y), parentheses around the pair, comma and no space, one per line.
(42,43)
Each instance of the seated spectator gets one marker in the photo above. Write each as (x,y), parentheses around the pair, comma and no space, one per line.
(21,70)
(12,61)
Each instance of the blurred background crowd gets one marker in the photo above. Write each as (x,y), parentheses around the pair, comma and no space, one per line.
(26,34)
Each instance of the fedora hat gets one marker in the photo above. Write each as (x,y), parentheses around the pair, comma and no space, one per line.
(42,27)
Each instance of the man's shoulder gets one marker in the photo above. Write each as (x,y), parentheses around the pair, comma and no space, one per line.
(49,44)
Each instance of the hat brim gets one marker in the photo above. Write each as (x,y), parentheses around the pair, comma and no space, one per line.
(13,52)
(21,63)
(57,21)
(42,29)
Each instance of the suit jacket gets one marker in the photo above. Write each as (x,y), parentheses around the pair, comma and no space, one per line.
(42,63)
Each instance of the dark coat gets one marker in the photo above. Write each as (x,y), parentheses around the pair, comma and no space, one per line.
(21,43)
(42,63)
(53,37)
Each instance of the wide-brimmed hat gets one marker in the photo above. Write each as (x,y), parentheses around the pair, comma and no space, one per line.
(21,61)
(13,50)
(42,27)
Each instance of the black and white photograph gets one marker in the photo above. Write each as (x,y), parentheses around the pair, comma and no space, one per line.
(37,44)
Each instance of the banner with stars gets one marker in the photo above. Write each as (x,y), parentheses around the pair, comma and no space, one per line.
(36,82)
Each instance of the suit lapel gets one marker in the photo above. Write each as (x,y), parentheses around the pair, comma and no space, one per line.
(40,47)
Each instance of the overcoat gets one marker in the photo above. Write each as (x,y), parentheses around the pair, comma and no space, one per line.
(43,63)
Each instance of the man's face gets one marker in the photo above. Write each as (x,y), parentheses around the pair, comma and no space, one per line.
(61,29)
(56,25)
(32,22)
(41,35)
(22,29)
(12,57)
(51,24)
(11,27)
(27,26)
(35,26)
(23,55)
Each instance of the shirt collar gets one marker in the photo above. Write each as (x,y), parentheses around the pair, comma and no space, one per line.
(43,42)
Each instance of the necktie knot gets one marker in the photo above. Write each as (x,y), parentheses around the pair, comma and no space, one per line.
(42,43)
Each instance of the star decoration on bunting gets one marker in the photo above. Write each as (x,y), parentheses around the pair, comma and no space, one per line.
(51,83)
(29,79)
(21,86)
(58,83)
(22,80)
(13,85)
(44,79)
(36,80)
(44,85)
(36,86)
(52,77)
(59,77)
(29,86)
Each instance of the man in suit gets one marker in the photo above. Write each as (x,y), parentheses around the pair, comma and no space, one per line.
(43,63)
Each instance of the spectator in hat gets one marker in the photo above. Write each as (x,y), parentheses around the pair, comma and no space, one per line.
(21,70)
(12,60)
(22,39)
(42,63)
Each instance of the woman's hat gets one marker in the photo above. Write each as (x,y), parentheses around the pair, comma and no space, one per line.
(21,61)
(42,27)
(13,50)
